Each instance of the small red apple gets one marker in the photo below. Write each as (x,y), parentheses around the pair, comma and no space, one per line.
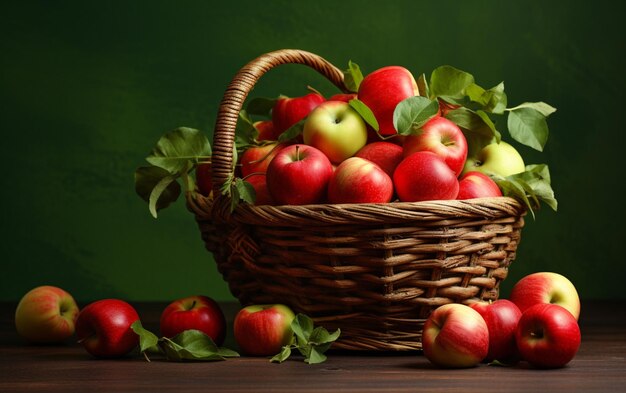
(442,137)
(256,159)
(265,129)
(547,336)
(262,330)
(203,178)
(288,111)
(299,175)
(382,91)
(259,182)
(343,97)
(477,185)
(103,328)
(46,314)
(194,312)
(357,180)
(502,317)
(384,154)
(424,176)
(455,336)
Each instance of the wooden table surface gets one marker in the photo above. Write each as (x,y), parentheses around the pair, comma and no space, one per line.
(599,366)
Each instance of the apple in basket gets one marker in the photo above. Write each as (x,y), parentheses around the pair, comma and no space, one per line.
(442,137)
(299,175)
(103,328)
(424,176)
(455,336)
(46,314)
(336,130)
(265,128)
(288,111)
(194,312)
(357,180)
(256,159)
(477,185)
(496,158)
(262,330)
(382,90)
(386,155)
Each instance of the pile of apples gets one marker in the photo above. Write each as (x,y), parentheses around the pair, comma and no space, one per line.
(538,324)
(49,314)
(339,158)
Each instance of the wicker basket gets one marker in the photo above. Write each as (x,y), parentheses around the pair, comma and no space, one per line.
(374,270)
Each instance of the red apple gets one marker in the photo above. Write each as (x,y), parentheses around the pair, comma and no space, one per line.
(501,318)
(265,129)
(382,90)
(259,182)
(103,328)
(256,159)
(384,154)
(262,330)
(477,185)
(288,111)
(357,180)
(46,314)
(203,178)
(299,175)
(336,130)
(442,137)
(546,287)
(424,176)
(455,336)
(194,312)
(343,97)
(547,336)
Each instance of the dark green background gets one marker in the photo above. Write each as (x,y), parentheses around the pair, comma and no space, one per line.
(86,89)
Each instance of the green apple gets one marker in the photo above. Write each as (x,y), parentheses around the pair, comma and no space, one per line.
(496,158)
(336,129)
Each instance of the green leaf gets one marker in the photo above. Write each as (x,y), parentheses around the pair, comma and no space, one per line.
(147,340)
(245,132)
(449,83)
(282,355)
(352,77)
(315,356)
(422,86)
(157,187)
(177,147)
(261,106)
(412,113)
(529,127)
(194,345)
(302,327)
(541,107)
(493,100)
(246,191)
(477,123)
(365,112)
(538,178)
(292,132)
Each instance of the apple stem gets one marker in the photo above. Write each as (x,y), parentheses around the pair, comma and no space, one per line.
(145,355)
(297,152)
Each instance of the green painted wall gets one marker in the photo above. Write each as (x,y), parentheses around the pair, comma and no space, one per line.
(86,88)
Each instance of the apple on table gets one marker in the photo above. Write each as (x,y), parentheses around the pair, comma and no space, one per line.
(46,314)
(502,318)
(546,287)
(194,312)
(262,330)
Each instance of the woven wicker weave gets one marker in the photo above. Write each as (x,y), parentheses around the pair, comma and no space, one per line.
(374,270)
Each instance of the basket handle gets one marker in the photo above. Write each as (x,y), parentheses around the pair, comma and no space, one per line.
(236,93)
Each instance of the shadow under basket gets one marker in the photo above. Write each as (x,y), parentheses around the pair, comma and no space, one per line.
(374,270)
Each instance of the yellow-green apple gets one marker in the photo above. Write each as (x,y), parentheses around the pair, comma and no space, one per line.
(476,184)
(382,90)
(357,180)
(496,158)
(46,314)
(259,183)
(103,328)
(547,336)
(546,287)
(501,317)
(384,154)
(336,129)
(265,128)
(346,97)
(442,137)
(299,175)
(455,336)
(194,313)
(203,178)
(256,159)
(262,330)
(288,111)
(424,176)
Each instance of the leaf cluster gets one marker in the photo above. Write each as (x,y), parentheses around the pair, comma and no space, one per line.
(312,342)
